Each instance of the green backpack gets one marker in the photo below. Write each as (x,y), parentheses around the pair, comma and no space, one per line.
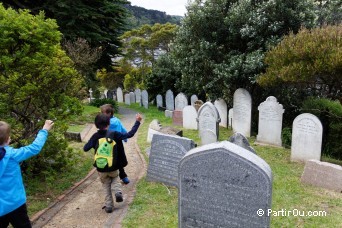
(104,153)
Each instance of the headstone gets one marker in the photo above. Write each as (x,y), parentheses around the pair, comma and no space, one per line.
(230,117)
(91,93)
(180,101)
(132,97)
(189,117)
(168,113)
(105,93)
(144,98)
(222,108)
(154,128)
(223,185)
(137,93)
(193,99)
(170,101)
(208,119)
(323,174)
(119,95)
(242,112)
(127,99)
(240,140)
(177,118)
(166,152)
(159,99)
(306,138)
(270,122)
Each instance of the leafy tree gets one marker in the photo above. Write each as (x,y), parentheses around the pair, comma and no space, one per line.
(142,46)
(220,45)
(329,12)
(310,60)
(100,22)
(38,82)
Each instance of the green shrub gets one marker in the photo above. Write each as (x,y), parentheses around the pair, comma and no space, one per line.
(98,102)
(330,114)
(286,137)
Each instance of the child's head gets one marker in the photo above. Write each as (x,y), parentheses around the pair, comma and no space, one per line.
(107,109)
(102,121)
(5,130)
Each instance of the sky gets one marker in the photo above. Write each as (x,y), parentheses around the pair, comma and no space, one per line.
(170,7)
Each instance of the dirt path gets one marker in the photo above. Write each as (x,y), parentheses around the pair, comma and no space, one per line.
(81,206)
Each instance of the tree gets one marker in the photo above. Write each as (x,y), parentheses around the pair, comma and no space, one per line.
(220,45)
(310,60)
(141,47)
(38,80)
(100,22)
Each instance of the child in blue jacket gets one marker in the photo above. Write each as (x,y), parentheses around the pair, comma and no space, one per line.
(116,125)
(12,192)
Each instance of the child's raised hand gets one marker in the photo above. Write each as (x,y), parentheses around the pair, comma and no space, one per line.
(138,117)
(48,125)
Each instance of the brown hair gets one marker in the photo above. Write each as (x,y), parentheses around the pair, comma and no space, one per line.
(5,130)
(107,109)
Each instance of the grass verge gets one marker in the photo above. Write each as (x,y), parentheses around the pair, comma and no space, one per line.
(156,205)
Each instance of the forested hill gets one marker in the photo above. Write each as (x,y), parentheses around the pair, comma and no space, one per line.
(141,16)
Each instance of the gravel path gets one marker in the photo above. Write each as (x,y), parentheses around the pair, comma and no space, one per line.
(81,206)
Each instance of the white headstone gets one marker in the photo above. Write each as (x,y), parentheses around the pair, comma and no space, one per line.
(144,98)
(119,95)
(170,101)
(223,185)
(193,99)
(307,134)
(159,99)
(270,122)
(189,117)
(180,101)
(230,117)
(91,93)
(127,99)
(208,120)
(222,108)
(137,93)
(242,112)
(105,93)
(132,97)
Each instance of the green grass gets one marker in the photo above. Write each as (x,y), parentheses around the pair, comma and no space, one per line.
(156,205)
(76,128)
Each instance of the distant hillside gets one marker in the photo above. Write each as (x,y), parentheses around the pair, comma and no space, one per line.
(141,16)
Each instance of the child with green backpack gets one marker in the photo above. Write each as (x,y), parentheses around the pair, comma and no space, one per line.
(106,156)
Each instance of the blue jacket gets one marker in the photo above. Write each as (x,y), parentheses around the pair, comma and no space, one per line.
(12,191)
(116,125)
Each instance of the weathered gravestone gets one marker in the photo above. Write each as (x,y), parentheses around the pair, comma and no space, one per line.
(193,99)
(208,119)
(127,99)
(180,101)
(223,185)
(144,98)
(242,112)
(105,93)
(166,152)
(137,93)
(177,118)
(170,101)
(132,97)
(306,138)
(189,117)
(270,122)
(240,140)
(230,117)
(119,95)
(159,99)
(222,108)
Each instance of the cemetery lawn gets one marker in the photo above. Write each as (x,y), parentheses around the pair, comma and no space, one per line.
(156,205)
(45,189)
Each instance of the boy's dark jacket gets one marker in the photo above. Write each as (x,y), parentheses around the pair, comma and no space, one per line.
(118,150)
